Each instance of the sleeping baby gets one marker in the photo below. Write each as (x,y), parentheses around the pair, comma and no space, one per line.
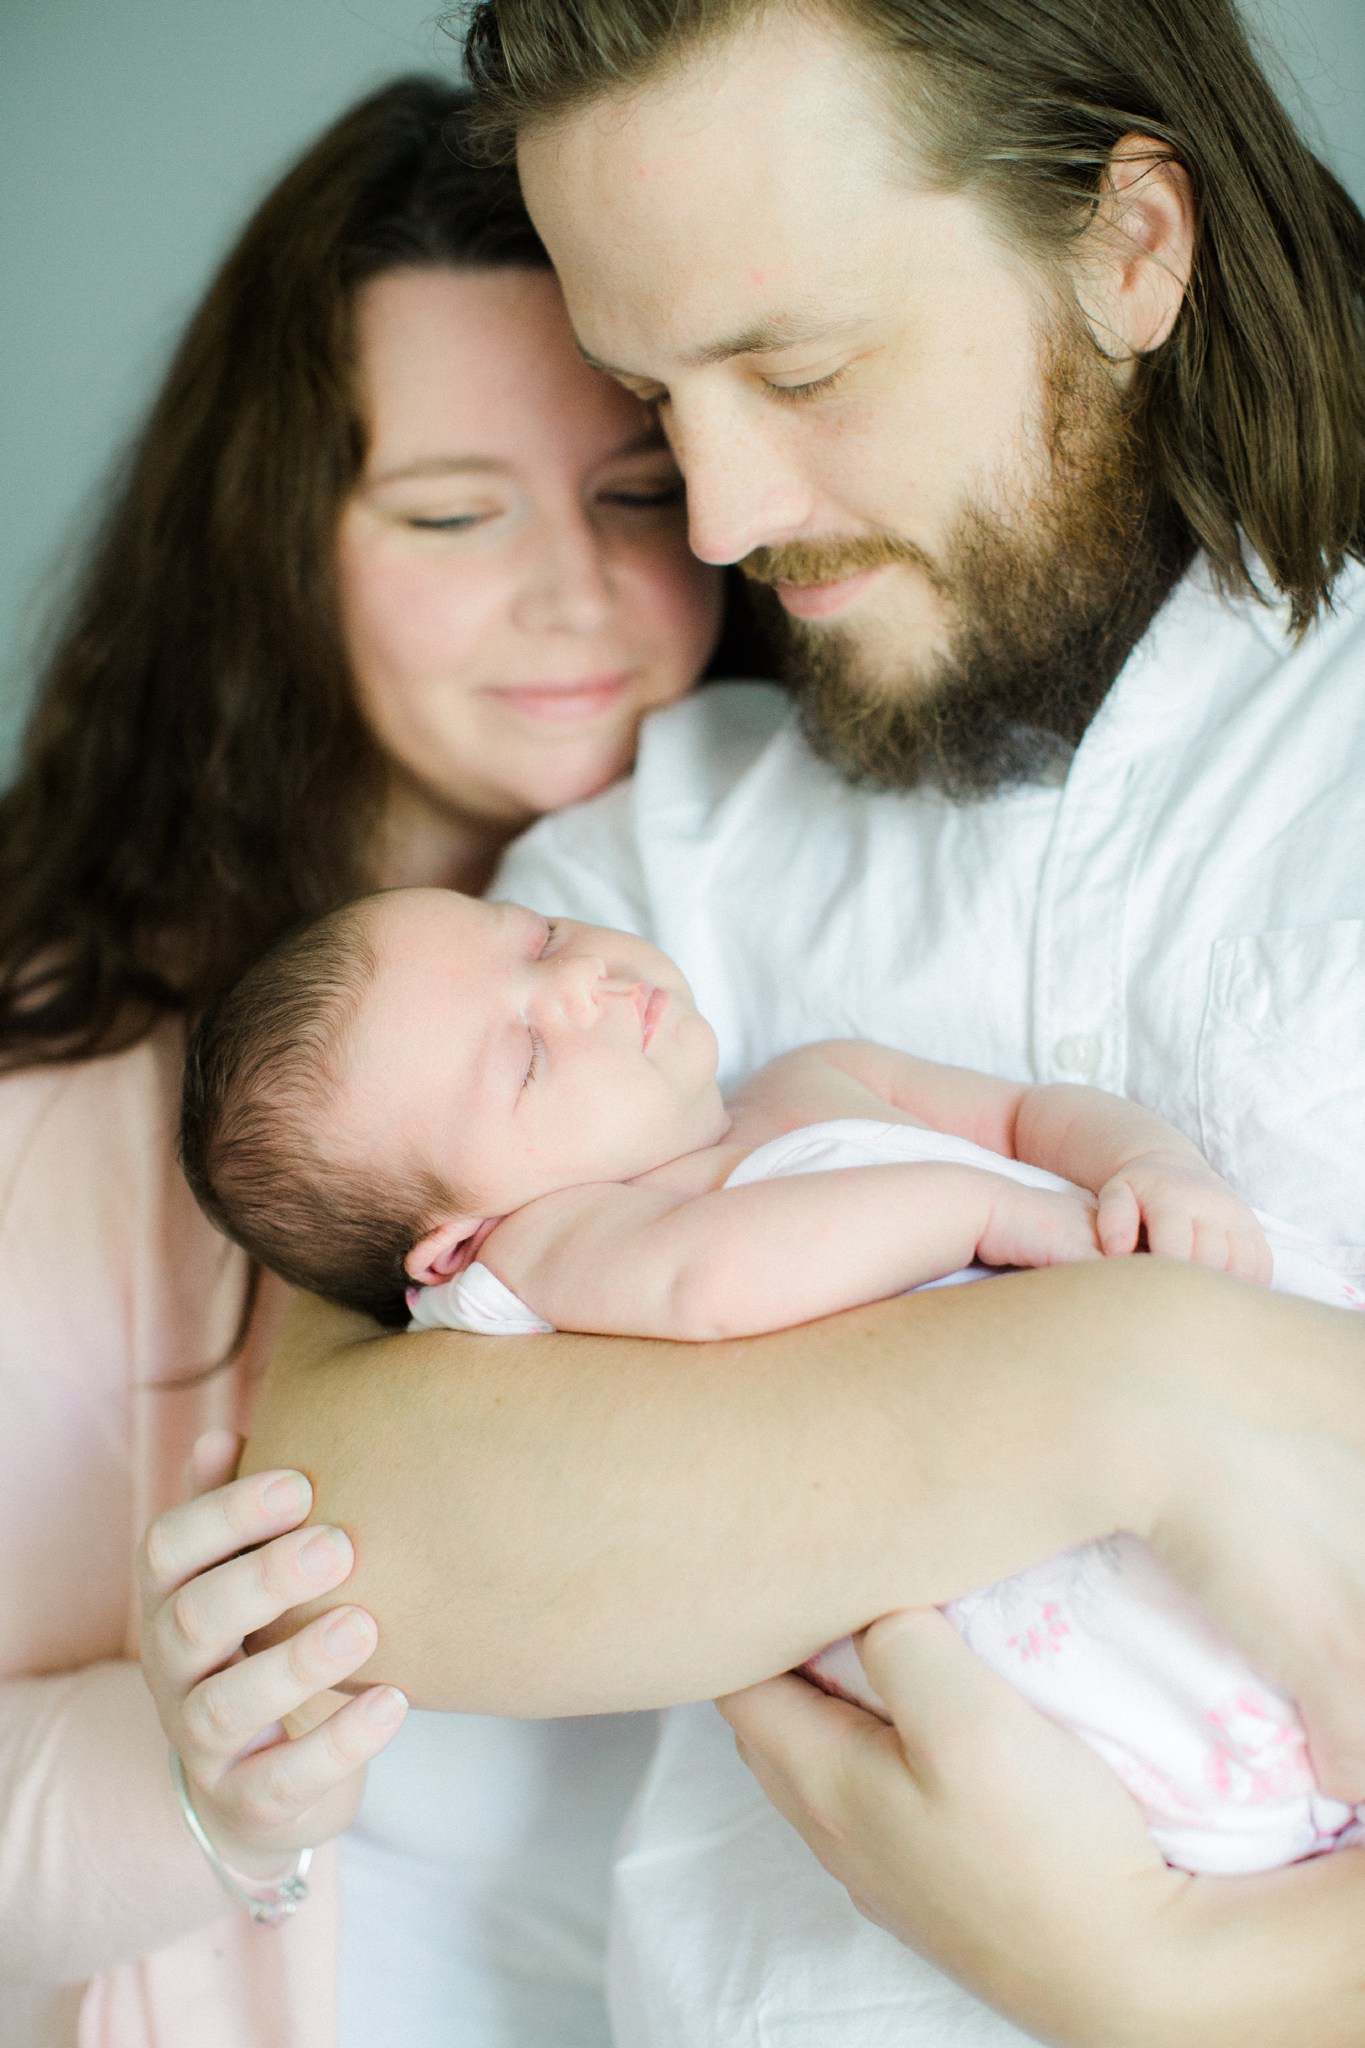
(509,1124)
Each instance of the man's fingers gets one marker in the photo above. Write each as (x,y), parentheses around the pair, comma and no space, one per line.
(940,1695)
(199,1627)
(226,1713)
(799,1742)
(188,1539)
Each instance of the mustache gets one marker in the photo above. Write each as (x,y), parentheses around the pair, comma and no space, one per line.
(828,561)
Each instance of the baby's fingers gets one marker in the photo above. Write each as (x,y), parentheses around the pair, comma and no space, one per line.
(1118,1219)
(1171,1232)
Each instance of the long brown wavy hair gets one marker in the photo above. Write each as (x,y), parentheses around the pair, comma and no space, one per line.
(1254,408)
(196,777)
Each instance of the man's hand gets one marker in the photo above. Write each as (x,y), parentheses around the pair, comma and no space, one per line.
(1000,1847)
(975,1831)
(1186,1211)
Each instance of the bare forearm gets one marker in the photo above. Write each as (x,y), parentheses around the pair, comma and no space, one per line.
(572,1524)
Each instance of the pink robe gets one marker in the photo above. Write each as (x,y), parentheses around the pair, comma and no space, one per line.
(115,1295)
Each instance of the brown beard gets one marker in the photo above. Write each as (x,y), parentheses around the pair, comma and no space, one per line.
(1047,605)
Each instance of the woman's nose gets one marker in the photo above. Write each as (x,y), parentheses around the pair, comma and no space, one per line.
(567,588)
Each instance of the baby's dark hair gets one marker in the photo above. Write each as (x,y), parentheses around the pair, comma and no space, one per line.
(262,1075)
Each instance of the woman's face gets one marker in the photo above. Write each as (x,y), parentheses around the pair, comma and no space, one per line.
(516,586)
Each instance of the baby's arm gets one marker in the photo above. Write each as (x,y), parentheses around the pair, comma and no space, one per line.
(1146,1175)
(640,1260)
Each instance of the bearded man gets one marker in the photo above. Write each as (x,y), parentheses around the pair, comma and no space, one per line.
(1014,349)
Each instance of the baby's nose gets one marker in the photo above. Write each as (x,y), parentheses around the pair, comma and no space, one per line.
(581,982)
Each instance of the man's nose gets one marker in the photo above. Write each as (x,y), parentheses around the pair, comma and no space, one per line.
(567,587)
(745,488)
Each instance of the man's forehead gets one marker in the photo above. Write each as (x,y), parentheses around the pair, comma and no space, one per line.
(741,169)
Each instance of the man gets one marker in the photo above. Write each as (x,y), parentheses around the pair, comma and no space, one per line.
(1016,350)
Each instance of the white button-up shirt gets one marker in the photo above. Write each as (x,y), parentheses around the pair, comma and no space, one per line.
(1180,917)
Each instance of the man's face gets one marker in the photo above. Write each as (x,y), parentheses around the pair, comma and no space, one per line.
(878,407)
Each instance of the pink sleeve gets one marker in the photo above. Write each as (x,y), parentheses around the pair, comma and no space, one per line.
(95,1863)
(114,1290)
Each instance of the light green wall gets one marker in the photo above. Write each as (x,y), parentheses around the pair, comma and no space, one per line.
(134,134)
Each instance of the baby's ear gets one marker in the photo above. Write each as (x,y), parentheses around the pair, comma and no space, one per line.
(446,1250)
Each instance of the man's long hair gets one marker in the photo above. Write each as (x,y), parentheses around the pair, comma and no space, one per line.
(1254,408)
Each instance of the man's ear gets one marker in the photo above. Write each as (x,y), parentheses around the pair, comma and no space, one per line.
(1138,253)
(446,1249)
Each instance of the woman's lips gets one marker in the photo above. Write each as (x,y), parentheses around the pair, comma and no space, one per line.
(822,600)
(560,703)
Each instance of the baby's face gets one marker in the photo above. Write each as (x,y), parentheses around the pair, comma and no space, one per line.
(513,1055)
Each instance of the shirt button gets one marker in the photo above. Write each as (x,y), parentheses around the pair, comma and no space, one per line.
(1078,1054)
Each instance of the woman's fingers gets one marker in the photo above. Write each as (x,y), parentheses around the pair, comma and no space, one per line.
(205,1622)
(187,1540)
(270,1792)
(225,1713)
(212,1461)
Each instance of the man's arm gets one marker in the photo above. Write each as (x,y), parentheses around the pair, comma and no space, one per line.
(569,1525)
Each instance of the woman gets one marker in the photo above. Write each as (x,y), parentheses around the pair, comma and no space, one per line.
(389,573)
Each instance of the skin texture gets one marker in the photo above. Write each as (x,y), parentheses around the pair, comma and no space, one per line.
(515,587)
(741,245)
(550,1532)
(504,662)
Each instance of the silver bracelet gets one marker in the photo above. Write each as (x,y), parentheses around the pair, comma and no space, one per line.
(267,1903)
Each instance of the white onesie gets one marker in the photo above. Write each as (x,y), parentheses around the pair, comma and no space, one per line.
(1100,1638)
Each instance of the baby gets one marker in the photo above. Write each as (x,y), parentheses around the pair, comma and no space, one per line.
(520,1119)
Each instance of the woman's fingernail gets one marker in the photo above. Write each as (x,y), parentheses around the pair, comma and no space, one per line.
(386,1707)
(290,1494)
(322,1553)
(348,1634)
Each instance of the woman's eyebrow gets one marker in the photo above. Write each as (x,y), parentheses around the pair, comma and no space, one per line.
(442,465)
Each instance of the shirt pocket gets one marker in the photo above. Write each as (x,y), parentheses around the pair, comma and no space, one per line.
(1281,1074)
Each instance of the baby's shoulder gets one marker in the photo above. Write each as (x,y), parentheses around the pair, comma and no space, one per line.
(811,1084)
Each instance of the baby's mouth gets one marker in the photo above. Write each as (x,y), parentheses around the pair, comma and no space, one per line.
(651,1011)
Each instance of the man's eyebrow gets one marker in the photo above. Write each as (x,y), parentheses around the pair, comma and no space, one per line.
(764,337)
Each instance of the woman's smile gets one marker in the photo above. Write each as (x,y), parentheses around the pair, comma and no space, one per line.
(563,702)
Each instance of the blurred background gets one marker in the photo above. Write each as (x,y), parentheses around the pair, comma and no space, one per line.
(134,137)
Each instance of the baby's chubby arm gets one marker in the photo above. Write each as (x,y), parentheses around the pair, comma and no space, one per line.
(1145,1173)
(643,1260)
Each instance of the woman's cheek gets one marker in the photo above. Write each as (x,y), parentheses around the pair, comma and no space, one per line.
(678,602)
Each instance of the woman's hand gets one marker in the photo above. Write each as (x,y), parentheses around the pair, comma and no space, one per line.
(260,1795)
(999,1846)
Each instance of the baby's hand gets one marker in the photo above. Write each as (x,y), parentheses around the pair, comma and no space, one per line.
(1038,1227)
(1186,1211)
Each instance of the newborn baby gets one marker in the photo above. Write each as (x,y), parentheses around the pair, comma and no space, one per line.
(521,1117)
